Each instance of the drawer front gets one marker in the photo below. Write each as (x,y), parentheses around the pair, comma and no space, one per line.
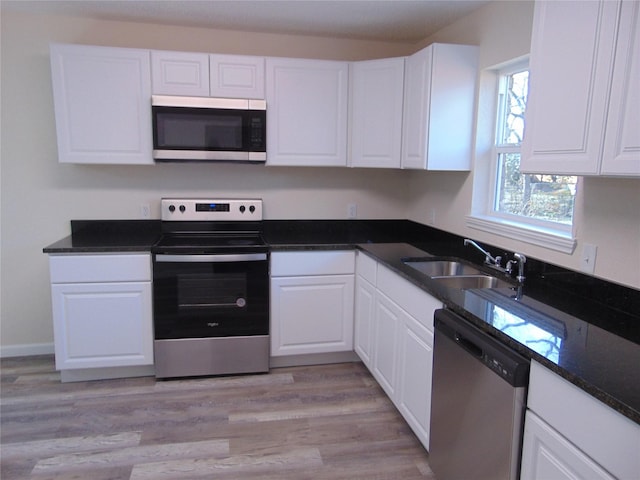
(418,303)
(332,262)
(366,267)
(100,268)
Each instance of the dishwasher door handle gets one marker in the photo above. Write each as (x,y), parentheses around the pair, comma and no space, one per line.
(469,346)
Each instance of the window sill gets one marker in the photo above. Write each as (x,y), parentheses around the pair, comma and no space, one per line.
(552,240)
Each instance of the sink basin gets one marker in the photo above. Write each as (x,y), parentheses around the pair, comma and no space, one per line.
(466,282)
(442,268)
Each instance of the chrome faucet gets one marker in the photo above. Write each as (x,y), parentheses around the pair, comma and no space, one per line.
(488,258)
(520,259)
(495,262)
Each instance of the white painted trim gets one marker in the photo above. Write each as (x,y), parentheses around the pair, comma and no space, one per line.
(26,350)
(542,238)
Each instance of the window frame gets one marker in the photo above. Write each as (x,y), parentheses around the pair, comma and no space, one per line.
(484,215)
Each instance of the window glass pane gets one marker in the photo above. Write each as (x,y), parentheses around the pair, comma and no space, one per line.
(544,197)
(515,90)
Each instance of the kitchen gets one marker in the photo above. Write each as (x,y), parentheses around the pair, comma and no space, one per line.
(40,196)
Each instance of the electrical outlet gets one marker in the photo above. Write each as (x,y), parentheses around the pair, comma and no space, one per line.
(145,211)
(352,210)
(588,258)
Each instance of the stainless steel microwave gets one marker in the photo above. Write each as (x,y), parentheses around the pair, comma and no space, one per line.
(208,129)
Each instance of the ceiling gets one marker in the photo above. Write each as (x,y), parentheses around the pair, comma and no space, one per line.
(386,20)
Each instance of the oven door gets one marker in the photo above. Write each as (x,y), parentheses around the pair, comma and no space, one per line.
(197,296)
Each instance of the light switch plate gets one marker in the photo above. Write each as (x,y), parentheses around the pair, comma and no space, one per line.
(588,258)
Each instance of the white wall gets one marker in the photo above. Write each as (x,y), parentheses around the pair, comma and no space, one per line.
(607,212)
(40,197)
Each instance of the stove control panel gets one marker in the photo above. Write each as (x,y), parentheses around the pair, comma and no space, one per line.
(195,209)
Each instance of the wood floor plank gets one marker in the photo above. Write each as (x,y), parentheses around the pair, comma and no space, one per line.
(324,422)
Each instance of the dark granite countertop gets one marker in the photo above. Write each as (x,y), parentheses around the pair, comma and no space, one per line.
(587,330)
(601,362)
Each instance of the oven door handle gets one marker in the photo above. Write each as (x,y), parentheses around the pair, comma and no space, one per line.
(243,257)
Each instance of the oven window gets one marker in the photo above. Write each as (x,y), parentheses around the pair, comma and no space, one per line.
(210,290)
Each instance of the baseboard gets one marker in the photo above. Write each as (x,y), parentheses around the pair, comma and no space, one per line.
(313,359)
(26,350)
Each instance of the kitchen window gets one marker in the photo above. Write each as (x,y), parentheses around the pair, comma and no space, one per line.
(535,208)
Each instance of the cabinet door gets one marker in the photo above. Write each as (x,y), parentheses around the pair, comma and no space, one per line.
(571,61)
(546,454)
(102,104)
(312,314)
(388,320)
(622,140)
(439,106)
(180,73)
(306,112)
(102,324)
(416,369)
(364,317)
(237,76)
(376,112)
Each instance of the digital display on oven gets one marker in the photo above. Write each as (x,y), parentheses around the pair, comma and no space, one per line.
(212,207)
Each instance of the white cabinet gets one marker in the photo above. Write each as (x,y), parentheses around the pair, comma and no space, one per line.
(548,455)
(102,104)
(365,298)
(395,339)
(205,75)
(102,310)
(237,76)
(312,296)
(622,140)
(570,434)
(583,66)
(376,112)
(307,112)
(180,73)
(439,107)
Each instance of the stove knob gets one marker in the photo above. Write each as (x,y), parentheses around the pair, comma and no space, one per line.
(182,208)
(242,208)
(172,208)
(252,209)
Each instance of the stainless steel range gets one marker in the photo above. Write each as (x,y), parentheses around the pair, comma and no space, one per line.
(211,288)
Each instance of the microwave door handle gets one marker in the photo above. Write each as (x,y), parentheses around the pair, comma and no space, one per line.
(243,257)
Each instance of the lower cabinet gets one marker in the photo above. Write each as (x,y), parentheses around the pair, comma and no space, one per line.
(569,434)
(394,339)
(312,296)
(102,312)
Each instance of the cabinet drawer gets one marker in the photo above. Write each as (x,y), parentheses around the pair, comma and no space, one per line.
(418,303)
(586,422)
(100,268)
(332,262)
(366,267)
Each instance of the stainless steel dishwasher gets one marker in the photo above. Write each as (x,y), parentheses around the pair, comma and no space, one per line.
(478,403)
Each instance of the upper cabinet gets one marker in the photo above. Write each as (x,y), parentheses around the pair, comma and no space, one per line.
(583,108)
(180,73)
(376,112)
(102,104)
(439,107)
(237,76)
(307,103)
(204,75)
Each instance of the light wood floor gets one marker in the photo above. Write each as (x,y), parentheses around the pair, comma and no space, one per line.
(319,422)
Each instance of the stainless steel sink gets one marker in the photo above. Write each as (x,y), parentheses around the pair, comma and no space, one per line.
(442,268)
(454,274)
(466,282)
